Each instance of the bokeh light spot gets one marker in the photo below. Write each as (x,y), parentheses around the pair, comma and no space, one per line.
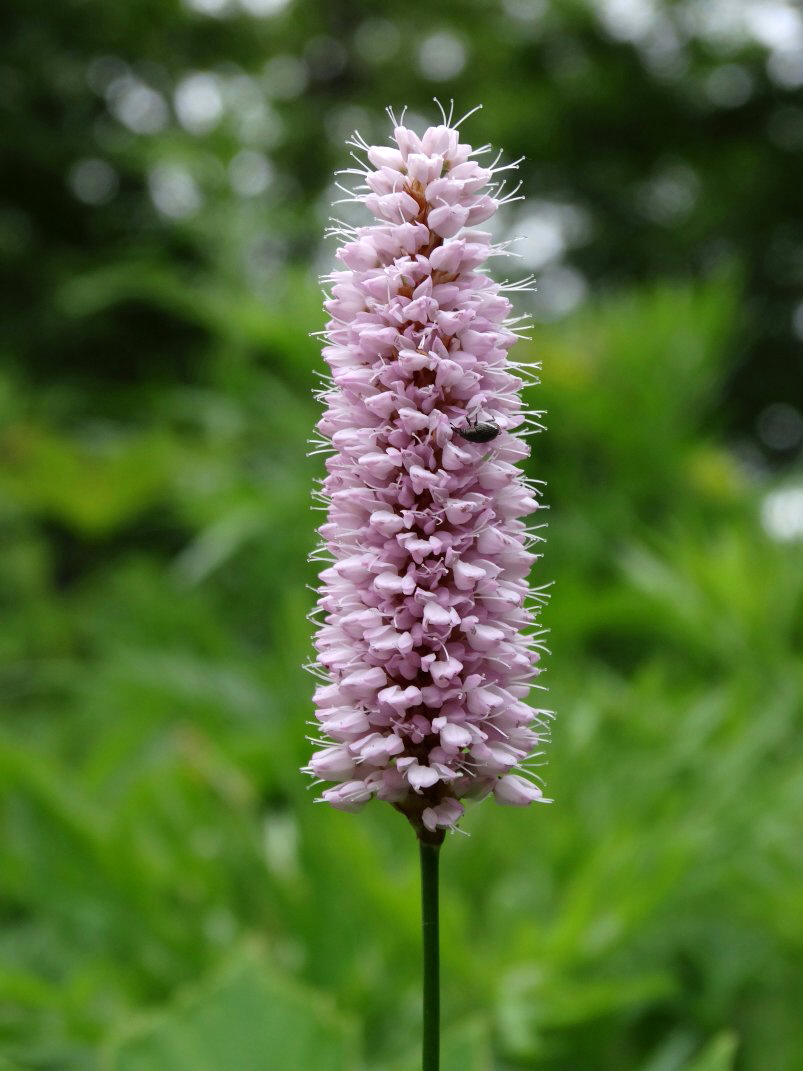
(250,173)
(728,86)
(136,105)
(782,514)
(198,102)
(377,40)
(261,8)
(285,77)
(559,291)
(93,181)
(441,56)
(174,191)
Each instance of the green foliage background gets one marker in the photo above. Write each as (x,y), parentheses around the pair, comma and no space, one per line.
(170,898)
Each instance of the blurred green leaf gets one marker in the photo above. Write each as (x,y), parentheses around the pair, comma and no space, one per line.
(249,1018)
(95,486)
(467,1047)
(718,1055)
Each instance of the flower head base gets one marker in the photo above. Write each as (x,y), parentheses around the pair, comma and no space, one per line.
(426,638)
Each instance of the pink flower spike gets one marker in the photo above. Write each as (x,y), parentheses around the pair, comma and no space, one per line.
(425,643)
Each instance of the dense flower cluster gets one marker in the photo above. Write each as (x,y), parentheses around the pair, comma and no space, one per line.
(427,638)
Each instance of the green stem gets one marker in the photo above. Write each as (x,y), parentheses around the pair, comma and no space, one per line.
(429,929)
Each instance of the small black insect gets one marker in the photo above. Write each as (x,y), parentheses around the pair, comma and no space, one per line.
(479,432)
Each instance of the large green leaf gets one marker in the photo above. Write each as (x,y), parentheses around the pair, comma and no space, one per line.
(249,1018)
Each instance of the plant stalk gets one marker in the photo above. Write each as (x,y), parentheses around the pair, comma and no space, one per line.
(429,930)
